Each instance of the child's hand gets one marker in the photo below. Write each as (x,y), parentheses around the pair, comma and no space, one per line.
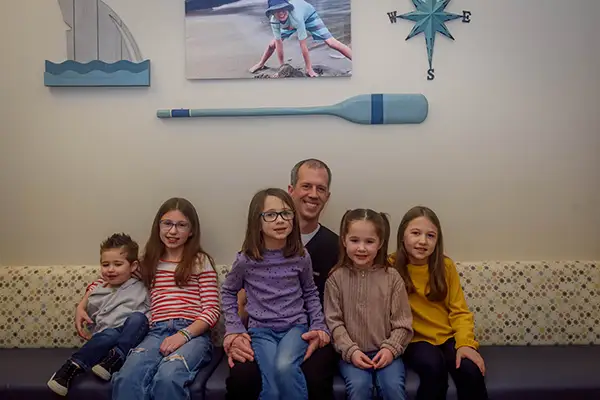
(311,72)
(471,354)
(172,343)
(360,360)
(316,340)
(238,348)
(324,338)
(82,317)
(383,358)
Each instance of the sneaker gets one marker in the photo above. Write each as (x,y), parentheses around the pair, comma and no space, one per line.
(61,380)
(111,364)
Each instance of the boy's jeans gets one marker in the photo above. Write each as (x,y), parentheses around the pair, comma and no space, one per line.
(147,374)
(389,381)
(279,356)
(122,339)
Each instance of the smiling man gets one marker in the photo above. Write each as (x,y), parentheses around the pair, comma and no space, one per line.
(309,187)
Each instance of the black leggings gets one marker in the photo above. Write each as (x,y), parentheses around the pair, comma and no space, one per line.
(433,363)
(244,381)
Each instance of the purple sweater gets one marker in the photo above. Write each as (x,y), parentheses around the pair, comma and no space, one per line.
(281,293)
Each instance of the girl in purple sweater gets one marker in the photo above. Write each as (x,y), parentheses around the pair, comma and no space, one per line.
(283,302)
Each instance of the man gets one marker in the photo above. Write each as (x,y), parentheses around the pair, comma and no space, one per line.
(309,188)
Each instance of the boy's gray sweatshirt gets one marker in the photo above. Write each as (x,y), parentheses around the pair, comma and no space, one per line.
(109,307)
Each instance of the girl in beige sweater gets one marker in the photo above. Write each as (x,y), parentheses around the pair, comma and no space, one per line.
(367,310)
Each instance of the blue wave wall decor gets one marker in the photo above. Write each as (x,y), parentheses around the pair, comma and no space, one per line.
(97,73)
(101,51)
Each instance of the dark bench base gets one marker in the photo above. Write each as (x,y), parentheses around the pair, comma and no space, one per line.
(513,373)
(25,372)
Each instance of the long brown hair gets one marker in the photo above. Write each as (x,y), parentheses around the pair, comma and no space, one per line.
(382,228)
(254,244)
(192,250)
(438,288)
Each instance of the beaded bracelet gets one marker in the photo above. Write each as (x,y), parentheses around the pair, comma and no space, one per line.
(186,334)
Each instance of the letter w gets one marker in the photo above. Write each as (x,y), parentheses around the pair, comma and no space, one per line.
(392,16)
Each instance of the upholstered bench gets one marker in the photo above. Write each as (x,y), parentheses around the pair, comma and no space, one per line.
(538,324)
(37,332)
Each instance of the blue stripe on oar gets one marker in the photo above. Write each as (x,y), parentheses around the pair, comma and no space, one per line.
(376,109)
(180,113)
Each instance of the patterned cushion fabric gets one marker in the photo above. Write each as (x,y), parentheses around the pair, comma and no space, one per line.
(37,308)
(533,303)
(514,303)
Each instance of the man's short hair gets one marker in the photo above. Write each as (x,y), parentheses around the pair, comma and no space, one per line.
(310,163)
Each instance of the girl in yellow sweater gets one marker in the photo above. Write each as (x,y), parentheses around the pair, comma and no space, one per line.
(443,341)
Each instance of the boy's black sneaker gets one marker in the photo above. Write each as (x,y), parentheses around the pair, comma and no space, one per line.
(111,364)
(61,380)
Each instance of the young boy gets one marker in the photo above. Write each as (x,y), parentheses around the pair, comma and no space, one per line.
(291,16)
(119,310)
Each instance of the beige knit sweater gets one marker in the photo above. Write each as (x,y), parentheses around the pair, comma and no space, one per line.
(367,309)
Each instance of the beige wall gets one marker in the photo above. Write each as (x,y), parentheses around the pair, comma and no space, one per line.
(508,156)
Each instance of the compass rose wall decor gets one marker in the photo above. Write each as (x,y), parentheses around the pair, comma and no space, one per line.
(430,17)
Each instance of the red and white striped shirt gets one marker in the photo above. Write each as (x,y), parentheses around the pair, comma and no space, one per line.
(198,299)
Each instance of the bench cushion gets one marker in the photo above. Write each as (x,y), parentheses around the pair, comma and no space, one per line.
(514,303)
(542,372)
(25,372)
(513,372)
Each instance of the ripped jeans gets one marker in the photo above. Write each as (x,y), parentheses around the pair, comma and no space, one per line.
(148,375)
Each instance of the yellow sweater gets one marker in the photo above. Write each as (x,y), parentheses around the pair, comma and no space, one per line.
(436,322)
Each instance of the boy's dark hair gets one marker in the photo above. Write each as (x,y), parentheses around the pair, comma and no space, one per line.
(121,241)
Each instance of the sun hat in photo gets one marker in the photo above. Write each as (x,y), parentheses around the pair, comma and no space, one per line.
(276,5)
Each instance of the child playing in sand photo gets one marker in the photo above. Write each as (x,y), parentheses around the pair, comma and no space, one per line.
(297,16)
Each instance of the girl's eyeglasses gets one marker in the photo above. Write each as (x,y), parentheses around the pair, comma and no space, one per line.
(167,225)
(270,216)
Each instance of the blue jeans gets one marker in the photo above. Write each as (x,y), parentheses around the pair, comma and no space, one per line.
(122,339)
(147,374)
(360,383)
(279,356)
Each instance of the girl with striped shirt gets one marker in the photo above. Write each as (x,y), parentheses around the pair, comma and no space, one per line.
(184,307)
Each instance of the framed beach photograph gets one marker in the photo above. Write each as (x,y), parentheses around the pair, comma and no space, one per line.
(248,39)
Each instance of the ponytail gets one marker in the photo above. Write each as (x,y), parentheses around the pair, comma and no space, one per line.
(382,258)
(343,256)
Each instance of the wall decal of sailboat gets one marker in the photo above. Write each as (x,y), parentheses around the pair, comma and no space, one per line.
(101,50)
